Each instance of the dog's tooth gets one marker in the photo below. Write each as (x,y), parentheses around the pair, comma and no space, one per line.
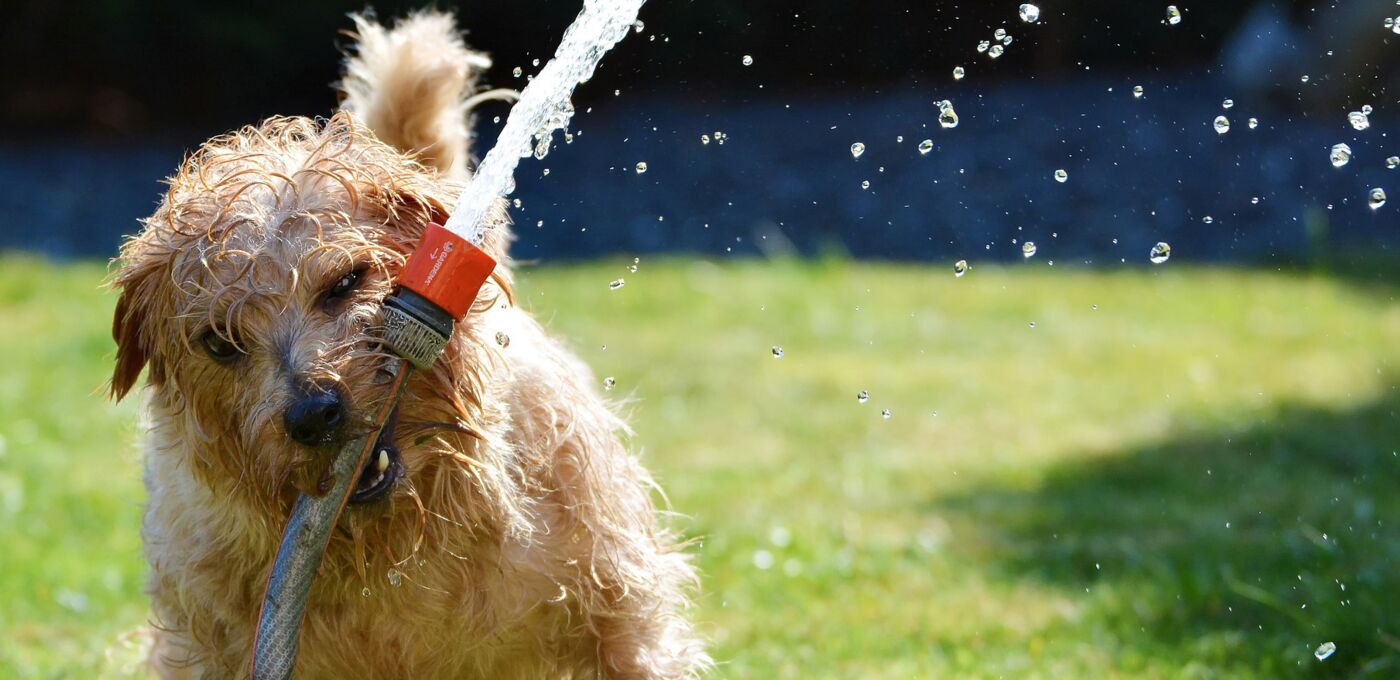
(383,460)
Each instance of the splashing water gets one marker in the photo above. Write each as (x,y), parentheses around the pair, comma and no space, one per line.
(947,117)
(544,107)
(1341,154)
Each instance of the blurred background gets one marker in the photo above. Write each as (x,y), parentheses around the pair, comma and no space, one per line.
(1081,462)
(102,99)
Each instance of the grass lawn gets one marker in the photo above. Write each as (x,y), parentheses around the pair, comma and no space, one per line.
(1176,472)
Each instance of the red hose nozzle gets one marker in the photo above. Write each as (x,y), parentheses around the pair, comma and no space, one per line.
(447,270)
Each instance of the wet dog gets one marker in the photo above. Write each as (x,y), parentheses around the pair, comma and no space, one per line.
(502,530)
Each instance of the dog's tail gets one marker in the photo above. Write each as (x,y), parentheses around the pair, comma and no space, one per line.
(413,85)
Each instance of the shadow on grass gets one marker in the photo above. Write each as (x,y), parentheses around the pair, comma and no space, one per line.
(1225,549)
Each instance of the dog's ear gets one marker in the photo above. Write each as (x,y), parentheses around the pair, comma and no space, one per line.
(131,350)
(130,327)
(412,211)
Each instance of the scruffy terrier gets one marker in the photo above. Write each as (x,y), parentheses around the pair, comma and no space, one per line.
(507,533)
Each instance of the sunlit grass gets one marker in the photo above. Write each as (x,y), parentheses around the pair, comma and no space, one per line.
(1137,486)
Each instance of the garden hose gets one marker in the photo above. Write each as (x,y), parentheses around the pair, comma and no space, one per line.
(435,289)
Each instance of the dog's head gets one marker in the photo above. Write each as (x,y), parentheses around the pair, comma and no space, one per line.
(252,297)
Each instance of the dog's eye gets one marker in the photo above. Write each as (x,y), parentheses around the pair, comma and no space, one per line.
(345,284)
(219,347)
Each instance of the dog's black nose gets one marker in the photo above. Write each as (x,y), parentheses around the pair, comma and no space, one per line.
(315,418)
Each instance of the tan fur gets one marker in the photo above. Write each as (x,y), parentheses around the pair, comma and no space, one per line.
(409,86)
(524,532)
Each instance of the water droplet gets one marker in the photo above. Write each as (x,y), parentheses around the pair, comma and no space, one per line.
(780,536)
(857,149)
(1395,26)
(618,283)
(995,51)
(947,117)
(1061,176)
(364,592)
(983,45)
(1173,15)
(1028,249)
(865,184)
(899,139)
(609,383)
(1359,120)
(886,414)
(502,339)
(633,267)
(1366,108)
(1305,78)
(395,578)
(720,137)
(1254,200)
(1253,123)
(958,73)
(999,34)
(1208,219)
(1222,125)
(639,26)
(704,139)
(959,268)
(641,167)
(1137,92)
(747,60)
(925,147)
(1392,163)
(1341,154)
(1032,324)
(517,71)
(1030,13)
(1160,253)
(862,396)
(1325,650)
(778,352)
(1377,198)
(1227,104)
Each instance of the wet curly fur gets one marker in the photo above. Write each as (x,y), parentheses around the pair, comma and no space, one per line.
(523,537)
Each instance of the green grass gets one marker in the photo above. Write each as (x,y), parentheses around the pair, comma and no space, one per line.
(1173,474)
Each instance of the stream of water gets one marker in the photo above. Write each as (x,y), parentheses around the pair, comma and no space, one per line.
(544,107)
